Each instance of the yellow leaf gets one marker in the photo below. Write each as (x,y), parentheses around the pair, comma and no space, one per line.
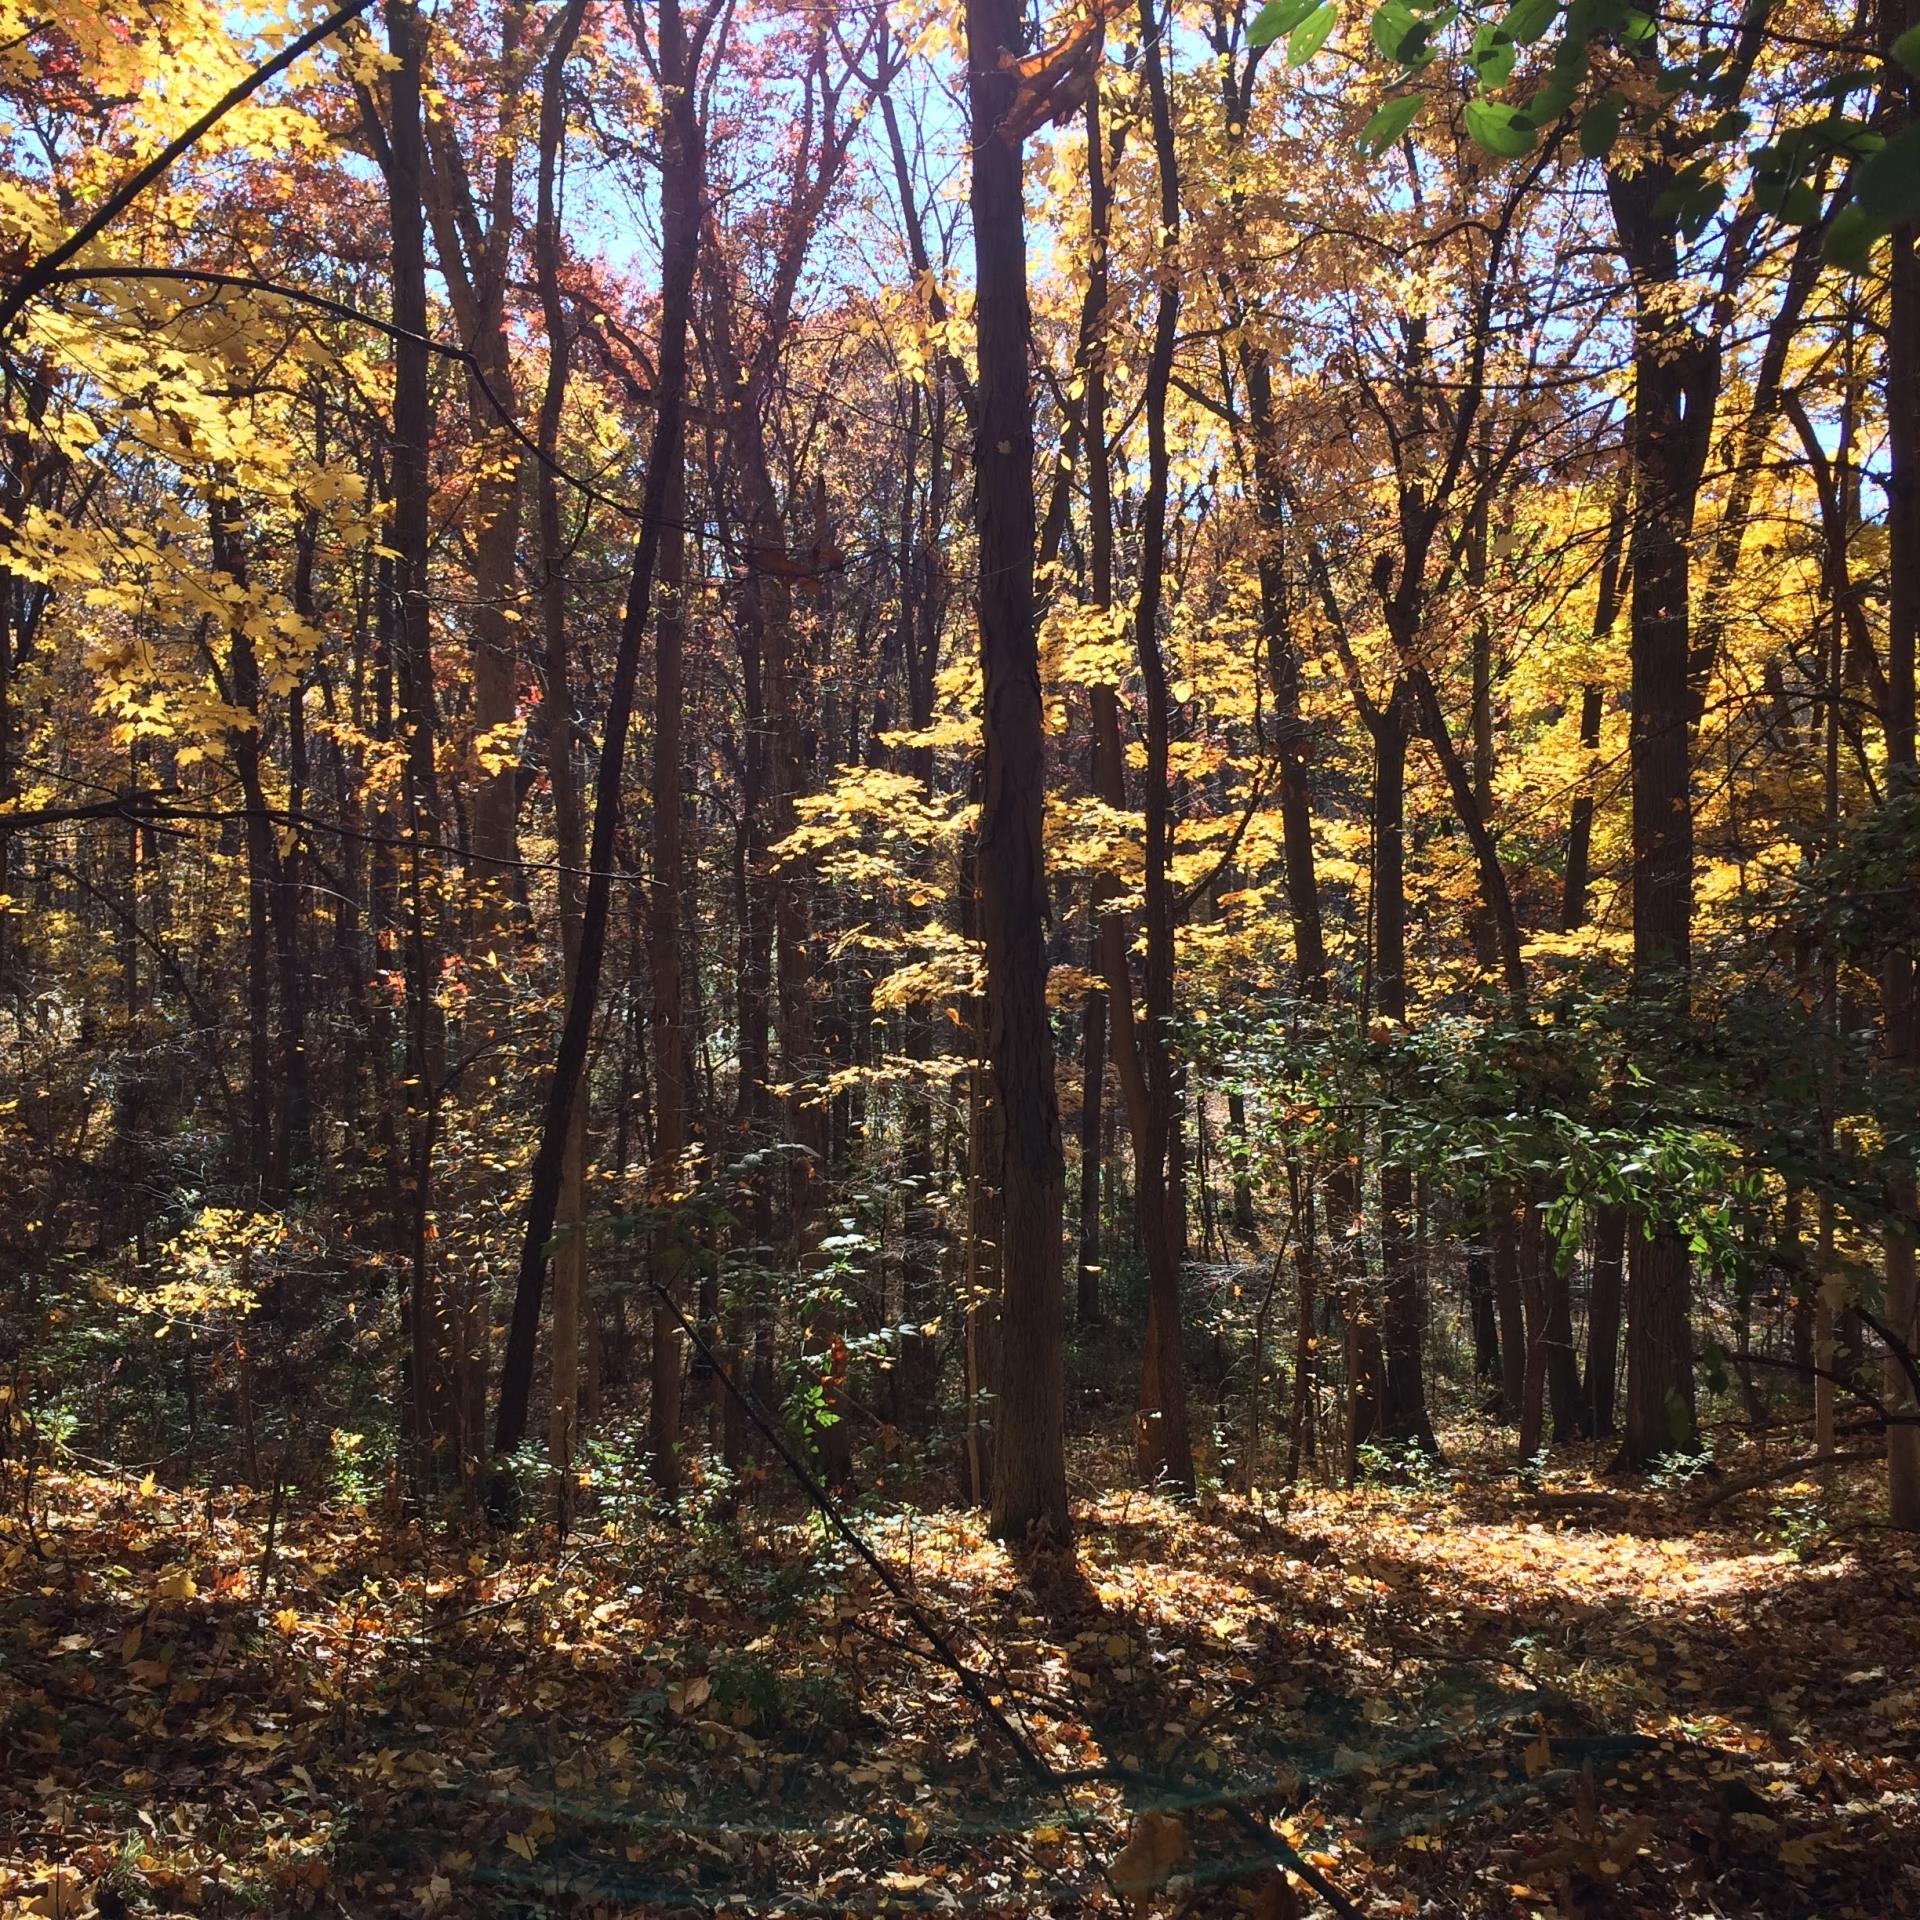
(177,1585)
(684,1695)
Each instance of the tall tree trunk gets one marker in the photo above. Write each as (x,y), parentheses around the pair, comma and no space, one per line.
(1093,1107)
(413,679)
(569,824)
(1598,1389)
(682,168)
(1675,382)
(1903,626)
(1029,1475)
(666,1027)
(1403,1412)
(1166,1447)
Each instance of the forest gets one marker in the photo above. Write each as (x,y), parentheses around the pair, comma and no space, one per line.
(960,955)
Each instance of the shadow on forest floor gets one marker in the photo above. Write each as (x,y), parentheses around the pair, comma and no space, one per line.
(1450,1702)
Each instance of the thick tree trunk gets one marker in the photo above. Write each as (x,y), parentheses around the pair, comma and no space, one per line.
(1029,1468)
(1676,379)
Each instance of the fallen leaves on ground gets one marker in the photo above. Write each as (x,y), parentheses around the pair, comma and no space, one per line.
(1441,1702)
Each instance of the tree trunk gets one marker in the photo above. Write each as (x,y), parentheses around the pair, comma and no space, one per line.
(413,678)
(1598,1389)
(1503,1231)
(1093,1107)
(1903,626)
(1165,1446)
(1403,1413)
(569,1260)
(1029,1468)
(681,176)
(666,1030)
(1675,382)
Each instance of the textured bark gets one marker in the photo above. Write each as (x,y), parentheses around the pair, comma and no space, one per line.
(1029,1466)
(1675,382)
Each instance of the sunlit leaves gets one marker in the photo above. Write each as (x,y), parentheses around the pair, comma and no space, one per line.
(1277,19)
(1311,34)
(1502,130)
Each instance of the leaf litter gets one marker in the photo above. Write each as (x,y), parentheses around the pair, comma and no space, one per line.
(1439,1700)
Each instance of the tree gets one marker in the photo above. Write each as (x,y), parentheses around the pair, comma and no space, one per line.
(1029,1483)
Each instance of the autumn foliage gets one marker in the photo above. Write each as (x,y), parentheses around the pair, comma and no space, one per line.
(959,956)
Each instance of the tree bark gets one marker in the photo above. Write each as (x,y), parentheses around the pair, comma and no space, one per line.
(1165,1445)
(1675,382)
(1902,1004)
(1029,1469)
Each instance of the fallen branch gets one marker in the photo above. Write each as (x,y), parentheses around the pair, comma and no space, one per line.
(1783,1470)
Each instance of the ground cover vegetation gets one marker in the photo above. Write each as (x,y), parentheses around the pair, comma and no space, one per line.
(959,957)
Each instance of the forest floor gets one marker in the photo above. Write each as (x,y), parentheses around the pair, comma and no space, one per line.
(1449,1698)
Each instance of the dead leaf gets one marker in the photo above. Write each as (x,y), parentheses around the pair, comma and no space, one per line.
(1156,1846)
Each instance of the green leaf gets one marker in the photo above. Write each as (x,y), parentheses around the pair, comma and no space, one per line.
(1854,80)
(1549,103)
(1501,130)
(1850,238)
(1527,20)
(1792,202)
(1600,127)
(1493,52)
(1390,121)
(1276,18)
(1906,50)
(1400,33)
(1887,187)
(1311,34)
(1686,184)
